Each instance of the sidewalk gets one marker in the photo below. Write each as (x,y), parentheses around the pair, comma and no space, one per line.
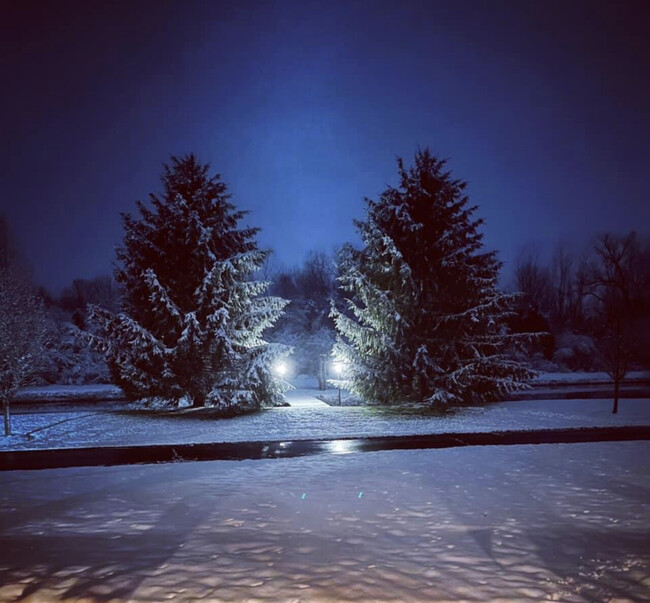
(304,398)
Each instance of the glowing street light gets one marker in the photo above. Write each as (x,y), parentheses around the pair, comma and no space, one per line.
(338,370)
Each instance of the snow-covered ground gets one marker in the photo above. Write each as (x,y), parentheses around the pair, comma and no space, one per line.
(47,393)
(89,427)
(579,377)
(98,392)
(519,523)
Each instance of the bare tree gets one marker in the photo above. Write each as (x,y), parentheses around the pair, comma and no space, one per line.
(22,327)
(581,285)
(534,281)
(562,277)
(100,291)
(284,285)
(269,270)
(316,278)
(618,285)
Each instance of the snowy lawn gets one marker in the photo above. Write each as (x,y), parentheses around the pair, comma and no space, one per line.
(54,393)
(47,393)
(578,378)
(567,522)
(93,428)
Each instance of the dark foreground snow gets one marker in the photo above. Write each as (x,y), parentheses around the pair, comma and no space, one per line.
(548,522)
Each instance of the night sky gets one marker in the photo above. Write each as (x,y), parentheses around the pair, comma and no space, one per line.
(543,107)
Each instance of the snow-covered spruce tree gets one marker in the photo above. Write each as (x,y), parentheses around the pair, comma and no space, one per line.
(425,321)
(193,315)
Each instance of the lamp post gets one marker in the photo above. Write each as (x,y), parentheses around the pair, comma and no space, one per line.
(338,369)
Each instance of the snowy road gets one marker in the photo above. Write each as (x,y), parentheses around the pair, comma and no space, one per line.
(524,523)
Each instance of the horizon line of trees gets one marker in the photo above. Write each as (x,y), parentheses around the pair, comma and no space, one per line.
(594,306)
(421,293)
(556,300)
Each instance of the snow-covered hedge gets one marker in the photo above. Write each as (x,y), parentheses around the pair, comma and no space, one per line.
(575,352)
(67,357)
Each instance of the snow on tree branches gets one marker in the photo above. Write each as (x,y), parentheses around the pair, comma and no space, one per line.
(425,321)
(193,316)
(22,326)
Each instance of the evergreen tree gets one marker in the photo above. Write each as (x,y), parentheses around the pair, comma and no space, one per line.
(193,315)
(425,321)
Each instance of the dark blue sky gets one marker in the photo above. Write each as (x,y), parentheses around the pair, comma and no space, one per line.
(303,106)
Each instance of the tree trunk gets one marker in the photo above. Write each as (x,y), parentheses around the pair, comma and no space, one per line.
(7,418)
(617,372)
(198,399)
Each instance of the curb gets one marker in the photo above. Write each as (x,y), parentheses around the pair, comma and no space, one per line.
(237,451)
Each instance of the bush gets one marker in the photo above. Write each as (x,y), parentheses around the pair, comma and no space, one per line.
(576,352)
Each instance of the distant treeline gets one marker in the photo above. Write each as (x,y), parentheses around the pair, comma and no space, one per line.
(573,296)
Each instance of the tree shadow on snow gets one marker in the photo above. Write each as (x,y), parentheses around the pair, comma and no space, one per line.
(590,559)
(131,557)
